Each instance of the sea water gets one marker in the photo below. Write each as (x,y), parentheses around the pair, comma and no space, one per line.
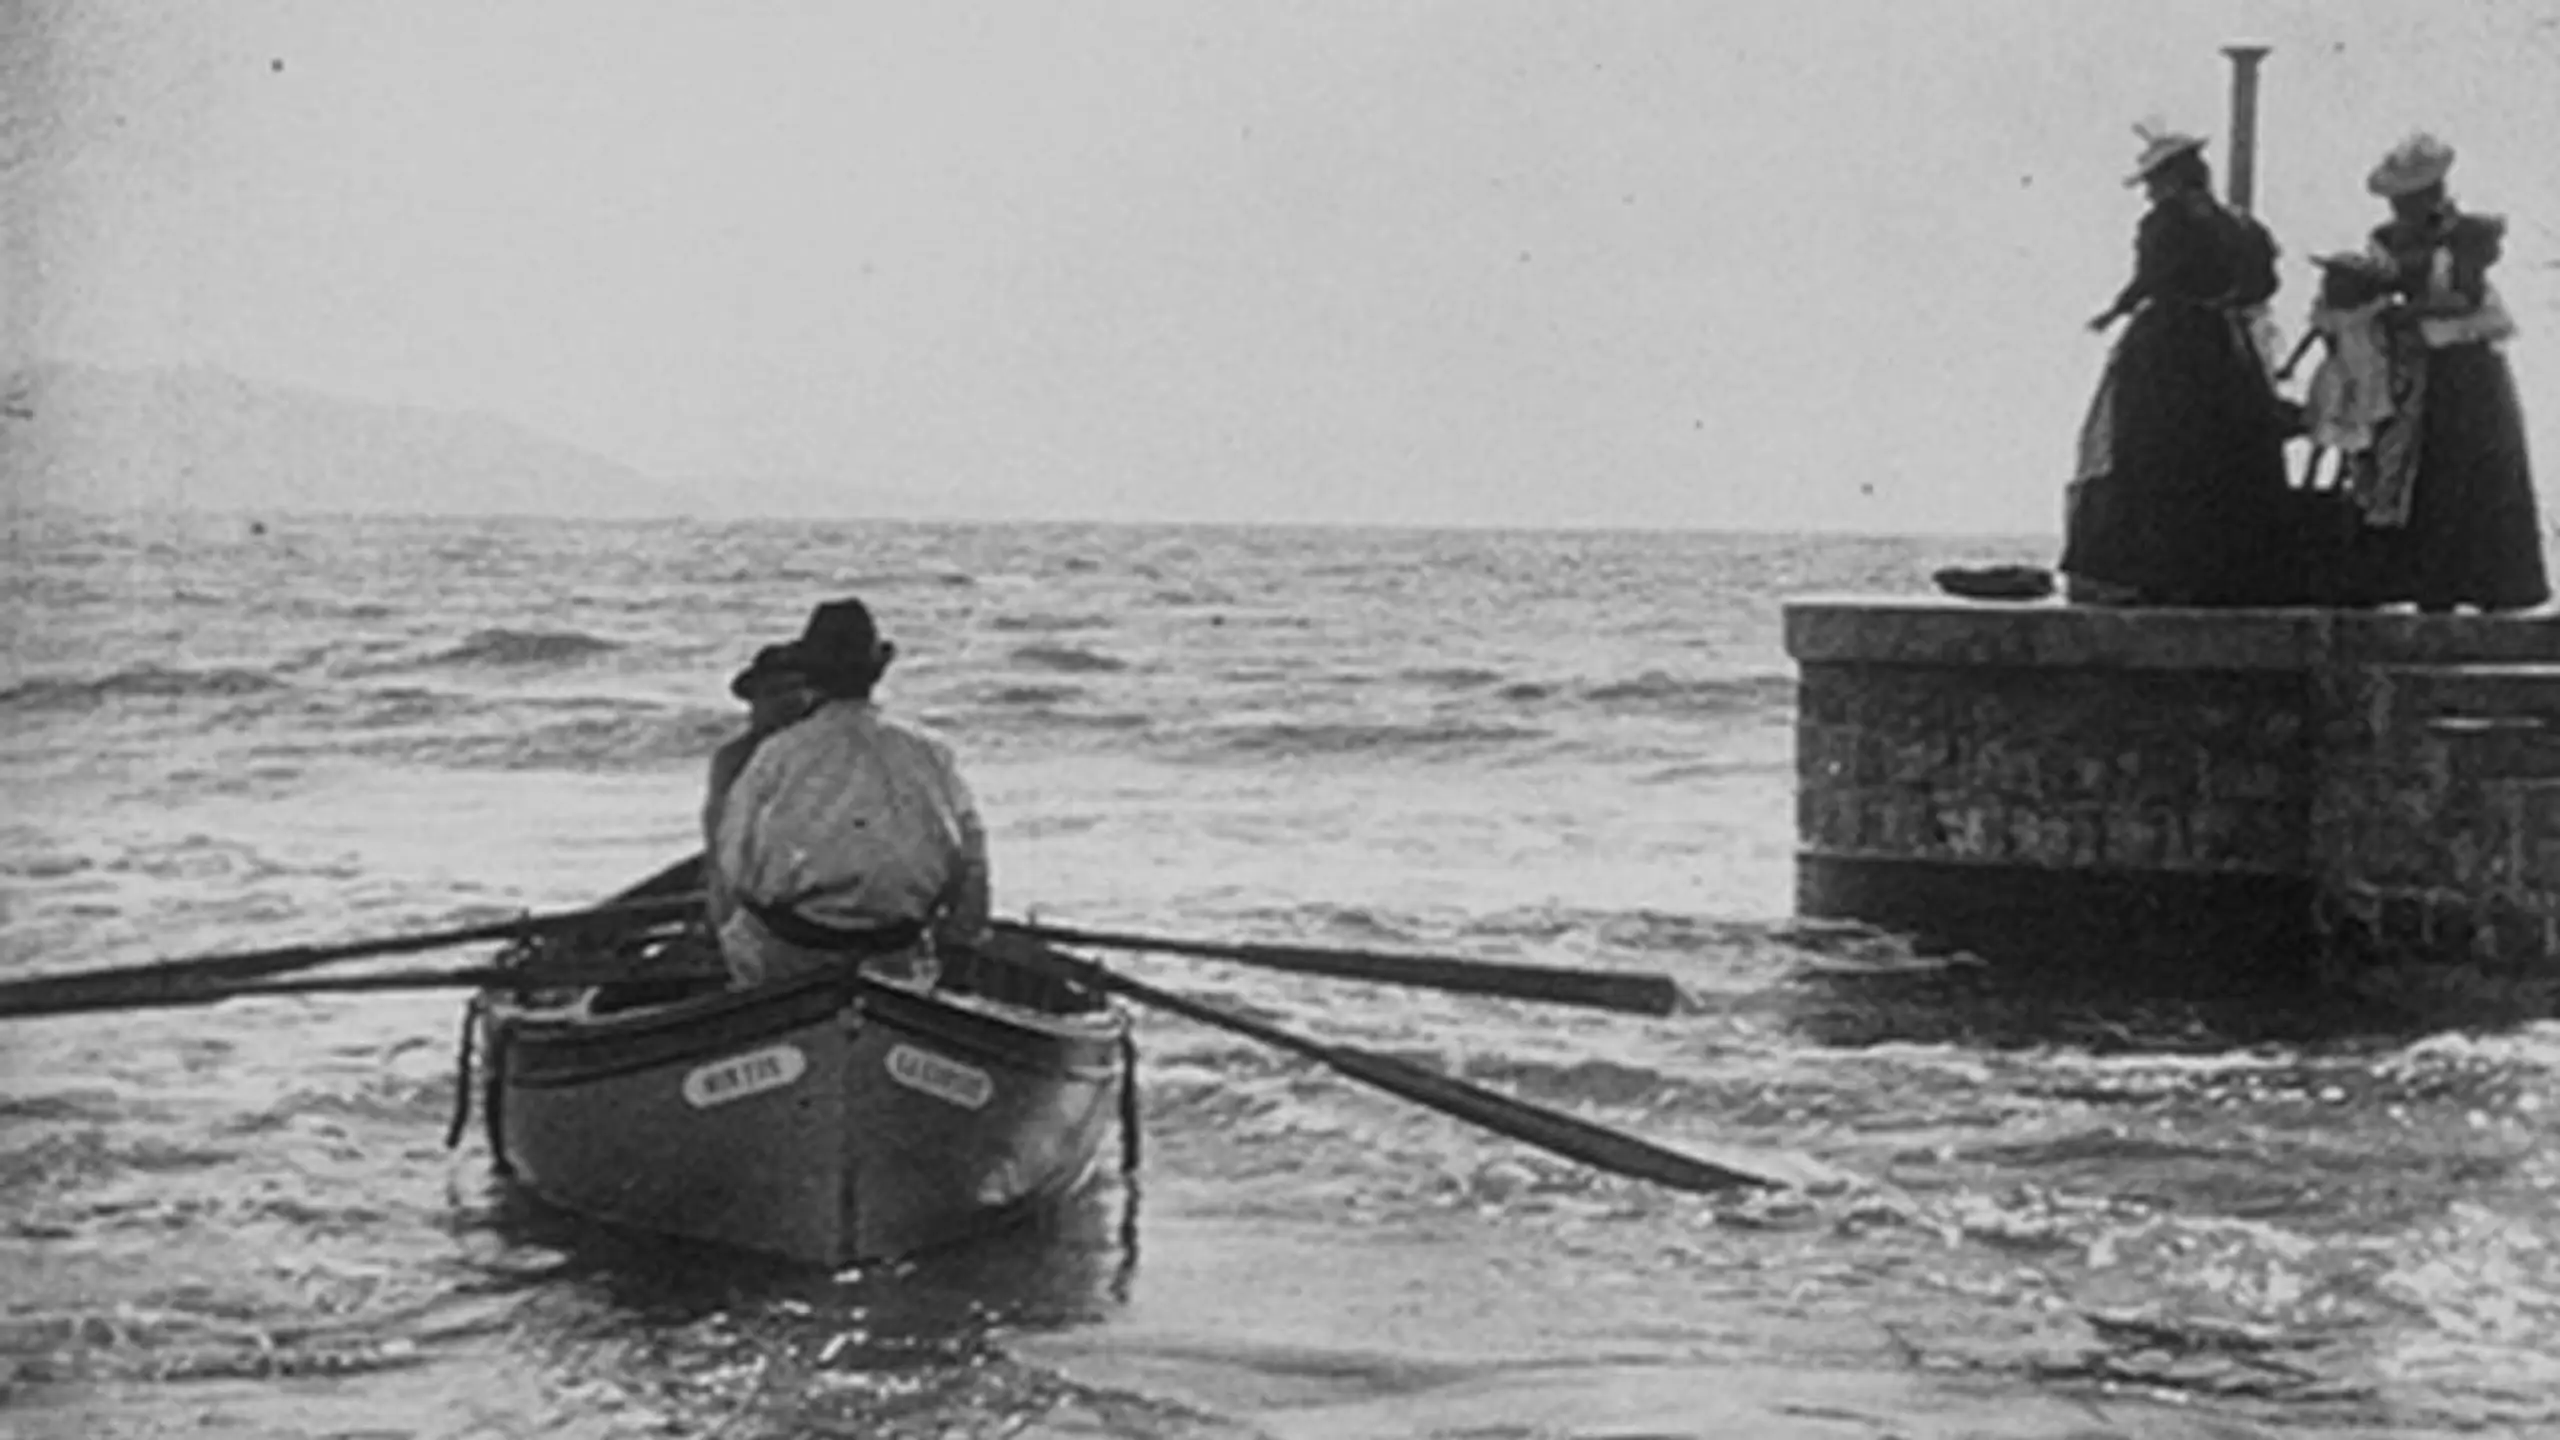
(1571,749)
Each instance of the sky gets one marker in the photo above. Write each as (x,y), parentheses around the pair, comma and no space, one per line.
(1698,264)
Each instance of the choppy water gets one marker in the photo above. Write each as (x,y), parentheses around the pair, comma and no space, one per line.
(2072,1220)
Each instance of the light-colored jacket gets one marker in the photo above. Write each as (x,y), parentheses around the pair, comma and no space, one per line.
(855,821)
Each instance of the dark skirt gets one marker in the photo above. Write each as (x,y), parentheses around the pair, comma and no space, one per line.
(2473,536)
(2183,498)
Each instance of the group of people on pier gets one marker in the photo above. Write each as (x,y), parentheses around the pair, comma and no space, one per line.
(2182,494)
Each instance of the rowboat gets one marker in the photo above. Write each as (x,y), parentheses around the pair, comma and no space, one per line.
(827,1120)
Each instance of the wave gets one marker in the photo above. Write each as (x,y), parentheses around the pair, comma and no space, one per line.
(1293,737)
(334,609)
(640,738)
(392,708)
(1723,695)
(62,1106)
(1331,922)
(177,1342)
(865,584)
(1034,694)
(1636,931)
(522,647)
(46,866)
(1070,659)
(63,1159)
(1719,768)
(140,682)
(1048,624)
(1593,1081)
(1033,718)
(1451,677)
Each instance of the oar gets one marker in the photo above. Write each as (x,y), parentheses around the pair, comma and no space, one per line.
(476,977)
(140,984)
(1566,1135)
(1633,992)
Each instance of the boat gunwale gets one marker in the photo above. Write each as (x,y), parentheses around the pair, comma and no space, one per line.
(549,1049)
(1078,1046)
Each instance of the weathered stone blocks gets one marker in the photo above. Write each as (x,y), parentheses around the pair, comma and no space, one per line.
(2343,793)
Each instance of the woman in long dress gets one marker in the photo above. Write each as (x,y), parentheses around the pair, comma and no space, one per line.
(2181,496)
(2472,536)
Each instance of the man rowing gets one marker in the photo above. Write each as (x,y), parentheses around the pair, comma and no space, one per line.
(777,695)
(849,837)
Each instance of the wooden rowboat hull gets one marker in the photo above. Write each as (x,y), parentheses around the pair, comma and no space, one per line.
(825,1122)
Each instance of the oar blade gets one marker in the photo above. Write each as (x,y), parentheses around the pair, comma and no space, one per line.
(1550,1130)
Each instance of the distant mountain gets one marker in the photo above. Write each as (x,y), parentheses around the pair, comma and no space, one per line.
(194,439)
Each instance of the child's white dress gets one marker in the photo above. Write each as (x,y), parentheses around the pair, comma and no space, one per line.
(2350,394)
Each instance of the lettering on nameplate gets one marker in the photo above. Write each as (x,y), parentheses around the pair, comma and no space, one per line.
(966,1086)
(740,1076)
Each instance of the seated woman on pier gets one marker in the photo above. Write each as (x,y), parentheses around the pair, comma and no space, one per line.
(2180,496)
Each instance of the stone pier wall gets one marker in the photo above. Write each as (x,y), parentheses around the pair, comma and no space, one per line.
(2436,830)
(2208,798)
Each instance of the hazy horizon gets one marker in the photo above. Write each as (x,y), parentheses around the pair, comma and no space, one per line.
(1752,267)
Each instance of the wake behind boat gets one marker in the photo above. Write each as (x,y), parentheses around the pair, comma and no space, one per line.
(826,1120)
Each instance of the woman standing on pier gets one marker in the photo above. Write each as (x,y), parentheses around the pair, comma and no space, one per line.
(2180,497)
(2472,537)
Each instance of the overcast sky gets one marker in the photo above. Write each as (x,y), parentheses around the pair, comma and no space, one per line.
(1585,262)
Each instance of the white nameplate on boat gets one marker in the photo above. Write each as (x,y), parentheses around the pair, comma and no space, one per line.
(966,1086)
(740,1076)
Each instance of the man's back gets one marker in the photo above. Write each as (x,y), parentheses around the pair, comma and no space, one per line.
(855,820)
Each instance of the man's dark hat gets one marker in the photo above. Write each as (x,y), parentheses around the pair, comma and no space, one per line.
(773,665)
(840,648)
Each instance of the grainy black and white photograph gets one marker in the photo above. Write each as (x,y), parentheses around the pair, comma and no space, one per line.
(1314,720)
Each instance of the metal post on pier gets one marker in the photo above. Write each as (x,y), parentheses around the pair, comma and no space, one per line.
(2244,123)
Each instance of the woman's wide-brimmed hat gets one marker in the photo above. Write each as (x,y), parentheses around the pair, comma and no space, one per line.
(774,667)
(840,649)
(2160,145)
(2413,165)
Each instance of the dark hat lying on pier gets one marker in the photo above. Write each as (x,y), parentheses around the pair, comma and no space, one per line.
(1995,582)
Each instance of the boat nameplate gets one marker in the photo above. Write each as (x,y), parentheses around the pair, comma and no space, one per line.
(740,1076)
(943,1078)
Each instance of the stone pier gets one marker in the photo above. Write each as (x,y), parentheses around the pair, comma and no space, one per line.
(2207,800)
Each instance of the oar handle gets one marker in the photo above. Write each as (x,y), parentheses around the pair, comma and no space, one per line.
(1627,991)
